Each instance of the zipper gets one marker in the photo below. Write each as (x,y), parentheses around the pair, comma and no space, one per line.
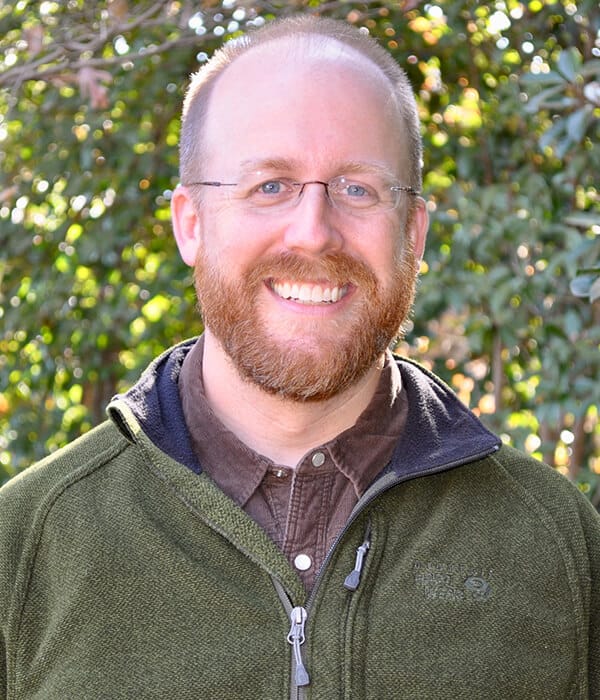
(352,581)
(296,633)
(296,639)
(298,616)
(383,484)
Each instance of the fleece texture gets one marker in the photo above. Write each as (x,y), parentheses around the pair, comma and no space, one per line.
(126,573)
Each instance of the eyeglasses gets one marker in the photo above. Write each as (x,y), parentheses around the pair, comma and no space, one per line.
(370,193)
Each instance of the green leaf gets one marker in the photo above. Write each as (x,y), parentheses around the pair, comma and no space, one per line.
(572,323)
(582,284)
(550,136)
(590,68)
(595,290)
(562,146)
(583,220)
(569,63)
(549,78)
(577,124)
(537,101)
(562,104)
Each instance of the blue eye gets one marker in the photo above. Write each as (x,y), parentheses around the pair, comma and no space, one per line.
(269,193)
(365,193)
(271,187)
(354,190)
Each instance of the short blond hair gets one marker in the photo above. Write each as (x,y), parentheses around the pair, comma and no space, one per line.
(197,98)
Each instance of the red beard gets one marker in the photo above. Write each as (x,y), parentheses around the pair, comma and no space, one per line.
(330,355)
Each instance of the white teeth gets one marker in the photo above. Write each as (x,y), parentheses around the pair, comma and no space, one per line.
(304,294)
(308,293)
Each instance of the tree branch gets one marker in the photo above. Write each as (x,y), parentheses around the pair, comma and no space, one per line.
(62,55)
(65,55)
(28,72)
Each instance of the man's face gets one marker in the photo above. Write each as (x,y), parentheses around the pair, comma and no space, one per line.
(303,300)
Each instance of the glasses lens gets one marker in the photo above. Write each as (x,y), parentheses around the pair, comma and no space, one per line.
(368,193)
(261,191)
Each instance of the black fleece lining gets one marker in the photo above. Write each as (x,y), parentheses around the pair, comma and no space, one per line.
(440,431)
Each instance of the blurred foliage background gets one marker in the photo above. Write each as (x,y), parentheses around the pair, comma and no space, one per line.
(92,287)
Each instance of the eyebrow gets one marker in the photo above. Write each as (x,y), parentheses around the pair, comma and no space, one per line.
(292,165)
(281,164)
(368,167)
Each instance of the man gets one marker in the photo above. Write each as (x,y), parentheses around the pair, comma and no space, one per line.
(281,508)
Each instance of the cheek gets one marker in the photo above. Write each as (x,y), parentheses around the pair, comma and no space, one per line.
(382,250)
(235,243)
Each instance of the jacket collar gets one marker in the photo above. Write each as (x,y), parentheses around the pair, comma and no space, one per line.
(440,431)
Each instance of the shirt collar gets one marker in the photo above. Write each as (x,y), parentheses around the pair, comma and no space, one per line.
(360,452)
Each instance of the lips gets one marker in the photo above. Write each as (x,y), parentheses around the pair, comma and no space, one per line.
(309,293)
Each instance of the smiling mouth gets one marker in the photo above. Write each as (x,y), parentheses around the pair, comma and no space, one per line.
(309,293)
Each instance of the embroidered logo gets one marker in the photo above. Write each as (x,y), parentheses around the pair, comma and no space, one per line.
(452,582)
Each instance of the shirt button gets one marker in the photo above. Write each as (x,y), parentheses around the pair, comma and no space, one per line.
(302,562)
(318,459)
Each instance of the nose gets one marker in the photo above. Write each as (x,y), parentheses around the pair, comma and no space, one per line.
(311,223)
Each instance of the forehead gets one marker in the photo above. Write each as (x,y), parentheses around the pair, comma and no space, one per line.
(312,100)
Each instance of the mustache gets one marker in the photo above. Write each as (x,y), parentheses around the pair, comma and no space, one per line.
(336,267)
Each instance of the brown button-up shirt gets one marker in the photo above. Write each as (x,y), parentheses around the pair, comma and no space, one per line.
(301,509)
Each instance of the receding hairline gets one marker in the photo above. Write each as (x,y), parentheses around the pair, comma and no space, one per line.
(308,36)
(319,48)
(306,44)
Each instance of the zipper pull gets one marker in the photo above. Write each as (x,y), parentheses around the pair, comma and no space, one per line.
(353,579)
(296,638)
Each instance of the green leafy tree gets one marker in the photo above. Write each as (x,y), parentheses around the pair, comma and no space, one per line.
(91,284)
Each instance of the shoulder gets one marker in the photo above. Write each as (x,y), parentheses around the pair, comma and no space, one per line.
(551,496)
(57,471)
(27,499)
(536,476)
(571,521)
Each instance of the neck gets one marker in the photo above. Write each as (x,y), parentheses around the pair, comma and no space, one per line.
(280,429)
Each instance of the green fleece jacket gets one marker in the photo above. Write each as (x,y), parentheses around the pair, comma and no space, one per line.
(125,573)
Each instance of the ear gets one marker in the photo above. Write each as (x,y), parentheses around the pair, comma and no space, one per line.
(186,224)
(418,227)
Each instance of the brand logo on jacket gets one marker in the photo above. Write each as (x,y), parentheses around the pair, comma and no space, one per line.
(452,582)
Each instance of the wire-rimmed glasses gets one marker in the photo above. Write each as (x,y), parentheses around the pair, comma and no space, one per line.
(369,193)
